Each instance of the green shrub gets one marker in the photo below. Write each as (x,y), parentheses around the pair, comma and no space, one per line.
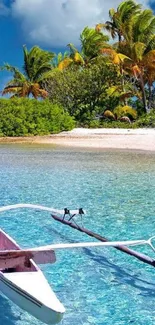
(146,120)
(109,124)
(23,117)
(117,124)
(128,111)
(94,124)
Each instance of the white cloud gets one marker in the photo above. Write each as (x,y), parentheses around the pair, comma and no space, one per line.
(59,22)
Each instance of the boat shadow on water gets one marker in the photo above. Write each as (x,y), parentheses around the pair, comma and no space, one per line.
(7,316)
(121,276)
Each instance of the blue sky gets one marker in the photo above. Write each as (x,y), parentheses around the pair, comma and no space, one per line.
(51,24)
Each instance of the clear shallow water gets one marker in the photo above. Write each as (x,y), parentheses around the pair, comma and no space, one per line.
(101,287)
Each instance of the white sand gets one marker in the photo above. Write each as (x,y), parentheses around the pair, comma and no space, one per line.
(83,131)
(131,139)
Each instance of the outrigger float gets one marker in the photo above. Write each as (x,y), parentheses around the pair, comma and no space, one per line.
(22,281)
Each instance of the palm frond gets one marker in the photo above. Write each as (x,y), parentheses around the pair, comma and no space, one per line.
(72,49)
(149,59)
(65,63)
(78,58)
(111,13)
(26,63)
(10,90)
(144,19)
(47,75)
(36,61)
(43,93)
(99,26)
(92,40)
(138,49)
(16,72)
(127,9)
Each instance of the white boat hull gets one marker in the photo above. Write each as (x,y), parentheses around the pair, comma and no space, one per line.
(37,307)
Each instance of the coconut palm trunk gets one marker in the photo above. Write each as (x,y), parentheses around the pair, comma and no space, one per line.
(123,83)
(141,83)
(150,97)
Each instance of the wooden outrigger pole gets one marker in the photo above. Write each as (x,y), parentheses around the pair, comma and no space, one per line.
(38,256)
(142,257)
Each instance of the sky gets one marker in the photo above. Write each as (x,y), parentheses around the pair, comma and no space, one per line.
(51,24)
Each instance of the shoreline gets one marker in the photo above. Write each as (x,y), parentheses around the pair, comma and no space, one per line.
(129,139)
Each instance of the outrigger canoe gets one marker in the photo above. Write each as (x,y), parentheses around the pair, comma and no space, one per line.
(22,281)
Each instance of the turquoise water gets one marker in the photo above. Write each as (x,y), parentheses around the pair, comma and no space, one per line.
(97,286)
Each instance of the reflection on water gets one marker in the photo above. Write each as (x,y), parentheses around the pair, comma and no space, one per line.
(117,188)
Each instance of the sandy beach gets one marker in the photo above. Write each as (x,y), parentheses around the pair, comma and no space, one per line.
(131,139)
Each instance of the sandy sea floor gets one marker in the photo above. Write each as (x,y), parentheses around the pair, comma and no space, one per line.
(138,139)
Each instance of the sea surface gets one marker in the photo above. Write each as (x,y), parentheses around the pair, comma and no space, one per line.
(99,286)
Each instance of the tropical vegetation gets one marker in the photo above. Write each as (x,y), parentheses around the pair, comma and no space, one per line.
(109,80)
(37,67)
(24,117)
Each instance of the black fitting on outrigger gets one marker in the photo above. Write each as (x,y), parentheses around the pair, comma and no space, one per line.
(66,211)
(81,211)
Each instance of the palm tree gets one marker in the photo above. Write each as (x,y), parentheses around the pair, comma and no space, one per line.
(59,58)
(68,59)
(118,60)
(142,67)
(135,29)
(92,41)
(121,19)
(37,67)
(142,29)
(139,46)
(138,63)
